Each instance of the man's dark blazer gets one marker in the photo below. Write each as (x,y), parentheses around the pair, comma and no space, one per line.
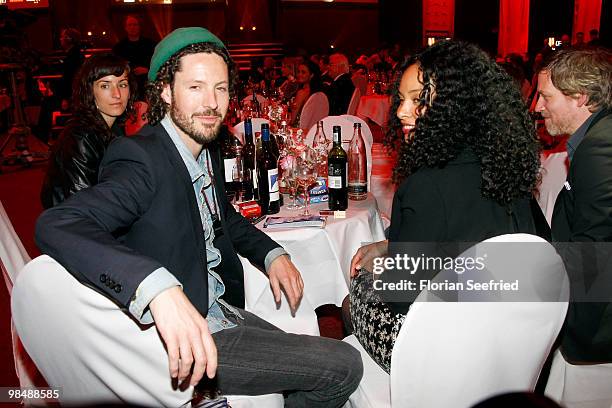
(143,215)
(583,213)
(339,94)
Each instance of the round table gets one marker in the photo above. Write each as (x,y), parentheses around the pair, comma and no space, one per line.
(322,255)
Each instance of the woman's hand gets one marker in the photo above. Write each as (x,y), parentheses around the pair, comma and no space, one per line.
(365,255)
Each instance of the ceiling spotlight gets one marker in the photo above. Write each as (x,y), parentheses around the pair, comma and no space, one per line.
(253,28)
(241,28)
(331,46)
(89,33)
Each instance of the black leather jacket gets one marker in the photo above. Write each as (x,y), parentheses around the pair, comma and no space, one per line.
(75,160)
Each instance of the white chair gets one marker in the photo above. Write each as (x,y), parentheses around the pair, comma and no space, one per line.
(315,108)
(579,386)
(238,129)
(346,122)
(352,107)
(13,258)
(457,354)
(72,347)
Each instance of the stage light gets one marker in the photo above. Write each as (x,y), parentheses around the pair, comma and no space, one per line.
(253,28)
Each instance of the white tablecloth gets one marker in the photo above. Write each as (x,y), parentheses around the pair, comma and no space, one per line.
(374,107)
(323,256)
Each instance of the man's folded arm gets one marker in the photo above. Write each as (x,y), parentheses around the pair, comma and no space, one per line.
(79,233)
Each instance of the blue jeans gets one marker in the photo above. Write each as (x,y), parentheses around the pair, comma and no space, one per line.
(258,358)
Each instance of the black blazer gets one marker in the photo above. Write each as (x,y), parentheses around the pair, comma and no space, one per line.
(584,214)
(446,205)
(142,215)
(339,94)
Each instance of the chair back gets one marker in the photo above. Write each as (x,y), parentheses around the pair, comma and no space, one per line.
(352,107)
(238,129)
(346,122)
(315,108)
(13,257)
(86,345)
(458,353)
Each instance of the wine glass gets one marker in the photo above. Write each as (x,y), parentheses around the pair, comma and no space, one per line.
(287,167)
(306,173)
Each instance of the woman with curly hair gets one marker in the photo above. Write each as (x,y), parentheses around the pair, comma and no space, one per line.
(467,167)
(102,98)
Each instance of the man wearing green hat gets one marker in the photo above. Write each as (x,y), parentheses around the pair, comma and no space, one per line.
(158,237)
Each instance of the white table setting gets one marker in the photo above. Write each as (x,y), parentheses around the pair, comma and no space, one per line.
(323,257)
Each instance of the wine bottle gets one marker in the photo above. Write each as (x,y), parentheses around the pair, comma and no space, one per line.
(267,171)
(319,145)
(336,173)
(249,163)
(230,148)
(358,165)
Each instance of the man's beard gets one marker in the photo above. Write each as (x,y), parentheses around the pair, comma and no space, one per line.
(558,129)
(202,134)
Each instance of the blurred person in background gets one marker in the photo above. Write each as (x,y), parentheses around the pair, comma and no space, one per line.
(70,41)
(137,50)
(341,90)
(309,80)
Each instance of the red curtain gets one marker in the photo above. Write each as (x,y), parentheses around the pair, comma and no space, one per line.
(438,18)
(587,16)
(513,27)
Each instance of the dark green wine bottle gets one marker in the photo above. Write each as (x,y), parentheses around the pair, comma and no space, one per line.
(337,173)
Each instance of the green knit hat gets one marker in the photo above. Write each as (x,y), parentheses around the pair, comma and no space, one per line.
(176,41)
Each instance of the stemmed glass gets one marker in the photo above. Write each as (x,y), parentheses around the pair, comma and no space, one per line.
(306,173)
(287,167)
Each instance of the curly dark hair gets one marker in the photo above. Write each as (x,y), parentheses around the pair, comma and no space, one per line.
(83,100)
(157,106)
(468,101)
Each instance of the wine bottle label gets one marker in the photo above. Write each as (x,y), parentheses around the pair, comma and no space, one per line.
(336,174)
(273,185)
(229,166)
(358,188)
(334,181)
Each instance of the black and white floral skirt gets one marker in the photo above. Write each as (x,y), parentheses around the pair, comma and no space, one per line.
(375,325)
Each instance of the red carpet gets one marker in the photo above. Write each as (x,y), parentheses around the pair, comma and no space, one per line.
(19,194)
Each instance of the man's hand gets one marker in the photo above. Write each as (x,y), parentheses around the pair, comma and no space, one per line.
(185,332)
(365,255)
(283,273)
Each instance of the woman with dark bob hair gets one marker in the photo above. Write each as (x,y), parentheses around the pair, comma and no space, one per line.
(467,166)
(102,98)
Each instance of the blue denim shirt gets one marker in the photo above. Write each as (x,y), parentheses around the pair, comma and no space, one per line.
(202,185)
